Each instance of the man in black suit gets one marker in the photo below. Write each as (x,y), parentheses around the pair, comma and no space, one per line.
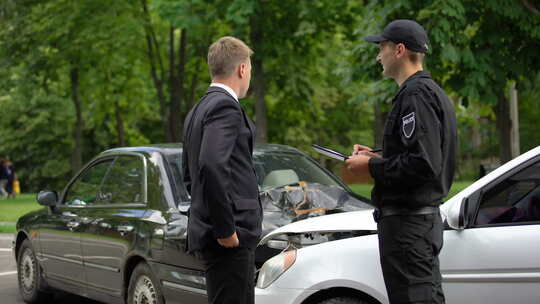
(225,216)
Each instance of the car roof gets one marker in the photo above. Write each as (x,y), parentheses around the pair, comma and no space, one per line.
(169,148)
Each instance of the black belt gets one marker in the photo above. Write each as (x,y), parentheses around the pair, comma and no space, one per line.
(389,211)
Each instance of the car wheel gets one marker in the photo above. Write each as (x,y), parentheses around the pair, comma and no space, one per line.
(143,287)
(31,283)
(342,300)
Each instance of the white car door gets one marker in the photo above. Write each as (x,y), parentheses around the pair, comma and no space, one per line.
(496,259)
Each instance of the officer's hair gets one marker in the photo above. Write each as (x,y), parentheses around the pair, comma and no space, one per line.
(225,54)
(416,57)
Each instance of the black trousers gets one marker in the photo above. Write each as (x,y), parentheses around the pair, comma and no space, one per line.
(230,275)
(409,246)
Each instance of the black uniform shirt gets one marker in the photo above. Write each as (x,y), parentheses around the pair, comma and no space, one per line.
(419,147)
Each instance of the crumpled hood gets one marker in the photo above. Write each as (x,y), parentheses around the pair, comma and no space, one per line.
(347,221)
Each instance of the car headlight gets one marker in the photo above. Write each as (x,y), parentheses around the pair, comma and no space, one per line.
(275,267)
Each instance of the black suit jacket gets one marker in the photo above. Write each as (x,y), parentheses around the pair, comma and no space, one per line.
(219,173)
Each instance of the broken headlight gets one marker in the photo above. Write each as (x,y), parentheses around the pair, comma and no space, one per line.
(275,267)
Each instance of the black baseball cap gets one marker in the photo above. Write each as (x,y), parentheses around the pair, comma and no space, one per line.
(408,32)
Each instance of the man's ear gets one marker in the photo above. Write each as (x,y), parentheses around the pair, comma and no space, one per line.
(242,70)
(400,50)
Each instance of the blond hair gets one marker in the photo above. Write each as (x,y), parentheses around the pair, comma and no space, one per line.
(225,54)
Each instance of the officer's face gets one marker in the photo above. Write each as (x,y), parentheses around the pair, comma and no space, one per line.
(387,58)
(245,72)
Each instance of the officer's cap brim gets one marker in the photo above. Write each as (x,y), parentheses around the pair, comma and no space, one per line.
(375,38)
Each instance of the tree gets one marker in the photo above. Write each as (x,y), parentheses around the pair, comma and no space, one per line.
(477,49)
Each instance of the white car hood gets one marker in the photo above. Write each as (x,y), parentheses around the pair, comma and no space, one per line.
(346,221)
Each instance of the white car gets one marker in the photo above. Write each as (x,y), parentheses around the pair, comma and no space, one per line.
(491,250)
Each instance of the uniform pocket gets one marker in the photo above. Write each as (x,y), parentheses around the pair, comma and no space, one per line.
(246,204)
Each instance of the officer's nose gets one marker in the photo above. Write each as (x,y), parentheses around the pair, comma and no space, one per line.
(378,58)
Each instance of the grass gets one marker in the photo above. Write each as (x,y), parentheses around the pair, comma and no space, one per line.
(11,209)
(365,189)
(7,228)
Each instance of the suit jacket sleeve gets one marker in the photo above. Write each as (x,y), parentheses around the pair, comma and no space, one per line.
(421,160)
(221,127)
(185,169)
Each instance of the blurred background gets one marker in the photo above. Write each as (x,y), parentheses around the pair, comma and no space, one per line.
(79,77)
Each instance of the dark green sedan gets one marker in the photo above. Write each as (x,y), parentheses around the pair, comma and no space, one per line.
(117,232)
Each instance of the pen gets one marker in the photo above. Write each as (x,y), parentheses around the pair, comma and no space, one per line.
(374,151)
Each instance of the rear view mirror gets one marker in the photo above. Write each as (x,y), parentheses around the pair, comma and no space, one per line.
(47,198)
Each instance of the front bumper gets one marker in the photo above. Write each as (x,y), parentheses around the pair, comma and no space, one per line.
(272,295)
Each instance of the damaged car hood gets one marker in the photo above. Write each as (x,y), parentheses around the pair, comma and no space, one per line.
(348,221)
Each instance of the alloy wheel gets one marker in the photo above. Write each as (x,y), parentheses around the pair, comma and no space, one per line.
(27,271)
(145,292)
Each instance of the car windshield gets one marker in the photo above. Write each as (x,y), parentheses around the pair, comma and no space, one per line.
(278,169)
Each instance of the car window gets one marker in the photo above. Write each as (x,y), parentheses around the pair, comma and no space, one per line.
(124,182)
(84,190)
(514,200)
(276,169)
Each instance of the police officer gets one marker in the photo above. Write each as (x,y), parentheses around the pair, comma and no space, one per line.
(415,170)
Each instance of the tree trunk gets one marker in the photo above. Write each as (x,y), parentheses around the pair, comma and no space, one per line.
(504,128)
(156,63)
(76,158)
(177,85)
(120,131)
(259,86)
(514,118)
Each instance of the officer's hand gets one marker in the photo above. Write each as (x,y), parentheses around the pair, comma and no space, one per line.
(229,242)
(369,153)
(359,164)
(359,148)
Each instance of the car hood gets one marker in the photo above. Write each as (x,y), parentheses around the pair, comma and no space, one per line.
(348,221)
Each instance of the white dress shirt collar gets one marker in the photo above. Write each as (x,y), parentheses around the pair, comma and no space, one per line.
(226,88)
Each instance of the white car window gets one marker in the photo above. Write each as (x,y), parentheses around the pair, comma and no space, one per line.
(514,200)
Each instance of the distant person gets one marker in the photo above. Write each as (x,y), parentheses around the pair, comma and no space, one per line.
(415,170)
(11,177)
(3,179)
(225,216)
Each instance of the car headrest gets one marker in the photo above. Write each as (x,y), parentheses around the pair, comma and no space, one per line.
(278,178)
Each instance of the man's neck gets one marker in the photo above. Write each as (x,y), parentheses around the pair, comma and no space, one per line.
(231,84)
(406,72)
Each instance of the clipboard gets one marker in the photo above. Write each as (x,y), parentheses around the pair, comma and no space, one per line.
(330,153)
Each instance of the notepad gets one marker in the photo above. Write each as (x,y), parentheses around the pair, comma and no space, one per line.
(330,153)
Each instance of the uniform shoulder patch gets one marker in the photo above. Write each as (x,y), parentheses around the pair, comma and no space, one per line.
(408,124)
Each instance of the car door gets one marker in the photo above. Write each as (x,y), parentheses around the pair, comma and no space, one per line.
(60,232)
(496,260)
(112,223)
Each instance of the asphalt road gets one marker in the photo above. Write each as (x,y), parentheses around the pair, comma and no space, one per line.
(9,289)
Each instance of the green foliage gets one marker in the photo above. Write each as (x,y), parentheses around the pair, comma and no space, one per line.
(322,80)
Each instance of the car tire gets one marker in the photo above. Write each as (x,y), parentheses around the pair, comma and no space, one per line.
(144,287)
(31,284)
(342,300)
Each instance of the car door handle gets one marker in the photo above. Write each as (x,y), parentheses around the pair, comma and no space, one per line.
(124,229)
(72,225)
(105,225)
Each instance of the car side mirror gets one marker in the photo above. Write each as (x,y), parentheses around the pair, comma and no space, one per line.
(47,198)
(463,219)
(458,215)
